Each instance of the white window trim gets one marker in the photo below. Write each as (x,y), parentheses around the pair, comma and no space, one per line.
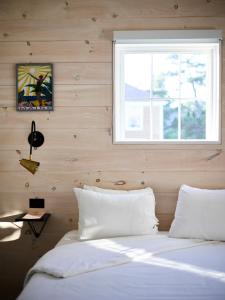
(167,36)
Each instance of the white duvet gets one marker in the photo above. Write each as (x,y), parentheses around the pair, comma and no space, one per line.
(134,268)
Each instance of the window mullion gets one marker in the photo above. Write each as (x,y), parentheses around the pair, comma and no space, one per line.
(150,100)
(179,101)
(122,95)
(210,96)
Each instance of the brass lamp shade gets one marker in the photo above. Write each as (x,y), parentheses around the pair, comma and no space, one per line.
(30,165)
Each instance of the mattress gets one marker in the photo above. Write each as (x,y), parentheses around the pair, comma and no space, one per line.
(135,268)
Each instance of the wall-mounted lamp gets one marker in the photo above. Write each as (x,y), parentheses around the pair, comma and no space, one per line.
(35,139)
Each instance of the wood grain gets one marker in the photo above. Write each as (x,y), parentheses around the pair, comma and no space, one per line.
(64,181)
(66,117)
(96,29)
(55,9)
(63,51)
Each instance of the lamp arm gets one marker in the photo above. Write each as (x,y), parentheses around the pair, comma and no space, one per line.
(33,126)
(33,129)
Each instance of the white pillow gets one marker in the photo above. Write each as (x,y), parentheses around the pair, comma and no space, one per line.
(101,190)
(200,213)
(104,215)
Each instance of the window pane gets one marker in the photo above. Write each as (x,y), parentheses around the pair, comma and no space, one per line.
(134,116)
(137,120)
(164,119)
(193,120)
(170,120)
(137,76)
(165,75)
(193,76)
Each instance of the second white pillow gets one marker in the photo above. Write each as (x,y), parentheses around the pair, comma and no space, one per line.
(199,214)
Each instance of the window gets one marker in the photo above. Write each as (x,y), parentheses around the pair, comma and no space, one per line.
(166,86)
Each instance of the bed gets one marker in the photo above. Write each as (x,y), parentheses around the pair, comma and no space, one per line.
(118,253)
(134,268)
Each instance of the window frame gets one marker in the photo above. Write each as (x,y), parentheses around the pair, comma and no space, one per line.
(164,37)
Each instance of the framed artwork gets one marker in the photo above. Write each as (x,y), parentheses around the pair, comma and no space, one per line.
(34,87)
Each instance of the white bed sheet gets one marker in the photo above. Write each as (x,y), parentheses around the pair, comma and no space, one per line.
(181,269)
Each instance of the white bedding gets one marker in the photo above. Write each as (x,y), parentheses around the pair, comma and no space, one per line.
(134,268)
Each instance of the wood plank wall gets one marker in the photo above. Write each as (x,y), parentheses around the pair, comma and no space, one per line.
(76,35)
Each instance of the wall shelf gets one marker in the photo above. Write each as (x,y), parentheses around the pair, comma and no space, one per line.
(43,220)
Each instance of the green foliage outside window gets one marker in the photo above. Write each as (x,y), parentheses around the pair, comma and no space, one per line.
(193,113)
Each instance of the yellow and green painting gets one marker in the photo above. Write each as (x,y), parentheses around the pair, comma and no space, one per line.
(34,87)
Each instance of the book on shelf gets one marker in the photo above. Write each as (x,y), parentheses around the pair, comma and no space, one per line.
(33,216)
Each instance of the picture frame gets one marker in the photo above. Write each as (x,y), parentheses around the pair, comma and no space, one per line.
(34,87)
